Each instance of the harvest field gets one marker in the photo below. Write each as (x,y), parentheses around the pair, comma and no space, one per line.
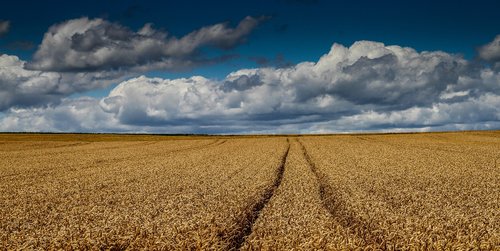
(333,192)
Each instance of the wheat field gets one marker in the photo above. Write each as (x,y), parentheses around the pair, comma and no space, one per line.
(422,191)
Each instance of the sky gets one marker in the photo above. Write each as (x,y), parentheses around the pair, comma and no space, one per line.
(241,67)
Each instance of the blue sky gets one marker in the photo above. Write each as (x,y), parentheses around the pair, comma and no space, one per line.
(285,33)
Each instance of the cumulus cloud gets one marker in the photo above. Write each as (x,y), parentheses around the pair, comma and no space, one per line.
(20,87)
(473,113)
(367,86)
(4,27)
(95,45)
(81,114)
(491,51)
(367,76)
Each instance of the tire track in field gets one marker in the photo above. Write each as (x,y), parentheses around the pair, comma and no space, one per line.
(336,206)
(245,225)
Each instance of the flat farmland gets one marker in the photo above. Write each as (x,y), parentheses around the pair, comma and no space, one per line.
(425,191)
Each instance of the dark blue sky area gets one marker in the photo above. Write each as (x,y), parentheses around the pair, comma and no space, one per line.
(297,30)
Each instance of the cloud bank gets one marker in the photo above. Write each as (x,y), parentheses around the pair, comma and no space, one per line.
(365,87)
(98,45)
(85,54)
(20,87)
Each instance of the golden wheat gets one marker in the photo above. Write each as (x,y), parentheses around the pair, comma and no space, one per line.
(396,191)
(135,195)
(425,191)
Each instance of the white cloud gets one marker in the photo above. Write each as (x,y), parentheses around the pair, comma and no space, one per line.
(368,86)
(96,45)
(367,75)
(450,95)
(20,87)
(82,114)
(482,110)
(491,51)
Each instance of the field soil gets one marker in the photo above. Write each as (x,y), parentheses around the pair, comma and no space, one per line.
(425,191)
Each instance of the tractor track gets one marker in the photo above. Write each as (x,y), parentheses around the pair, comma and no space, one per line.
(332,201)
(254,210)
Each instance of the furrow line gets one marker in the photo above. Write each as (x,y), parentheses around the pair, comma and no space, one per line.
(254,211)
(336,206)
